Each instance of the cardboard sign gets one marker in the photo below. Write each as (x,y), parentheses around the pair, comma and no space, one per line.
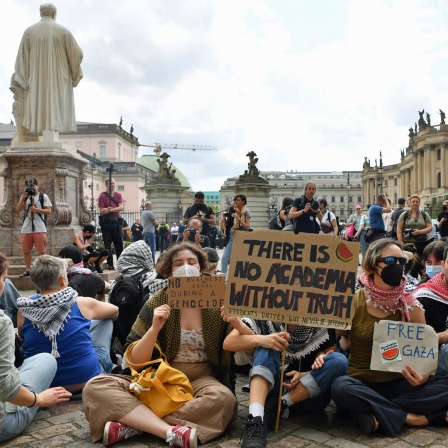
(396,344)
(303,279)
(196,292)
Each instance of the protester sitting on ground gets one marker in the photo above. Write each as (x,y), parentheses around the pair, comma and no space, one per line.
(212,261)
(191,339)
(415,268)
(136,261)
(192,234)
(84,240)
(433,295)
(311,366)
(23,390)
(8,300)
(380,399)
(241,222)
(86,283)
(75,330)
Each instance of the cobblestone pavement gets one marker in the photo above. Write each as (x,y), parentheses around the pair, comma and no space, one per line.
(65,426)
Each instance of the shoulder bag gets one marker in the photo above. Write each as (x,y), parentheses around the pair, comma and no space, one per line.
(162,388)
(350,230)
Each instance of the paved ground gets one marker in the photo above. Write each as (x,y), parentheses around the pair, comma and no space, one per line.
(65,426)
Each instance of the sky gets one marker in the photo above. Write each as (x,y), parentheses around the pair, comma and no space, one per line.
(309,85)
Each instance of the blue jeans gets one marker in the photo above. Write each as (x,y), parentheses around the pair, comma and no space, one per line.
(225,260)
(36,374)
(266,363)
(101,334)
(150,240)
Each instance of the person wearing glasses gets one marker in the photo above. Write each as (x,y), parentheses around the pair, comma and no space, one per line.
(378,399)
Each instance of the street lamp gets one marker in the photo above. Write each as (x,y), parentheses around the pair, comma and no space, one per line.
(380,171)
(180,211)
(348,186)
(92,200)
(142,204)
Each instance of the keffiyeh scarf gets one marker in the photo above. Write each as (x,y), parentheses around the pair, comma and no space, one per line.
(435,288)
(390,301)
(49,313)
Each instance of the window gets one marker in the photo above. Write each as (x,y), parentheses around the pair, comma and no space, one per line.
(359,199)
(395,182)
(350,199)
(439,154)
(102,151)
(333,199)
(342,198)
(120,188)
(439,180)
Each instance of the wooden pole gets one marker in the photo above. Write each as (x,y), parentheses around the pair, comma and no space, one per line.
(282,371)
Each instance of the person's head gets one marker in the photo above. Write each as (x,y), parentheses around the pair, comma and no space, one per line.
(323,204)
(199,198)
(401,202)
(148,205)
(433,257)
(3,271)
(72,253)
(110,187)
(174,224)
(381,200)
(162,221)
(414,202)
(178,256)
(137,220)
(287,202)
(49,273)
(88,230)
(384,260)
(310,190)
(31,185)
(195,224)
(445,205)
(239,201)
(212,260)
(48,10)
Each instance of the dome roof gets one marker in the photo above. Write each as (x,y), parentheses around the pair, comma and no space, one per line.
(150,161)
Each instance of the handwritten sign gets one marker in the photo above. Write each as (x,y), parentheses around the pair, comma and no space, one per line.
(396,344)
(302,279)
(196,292)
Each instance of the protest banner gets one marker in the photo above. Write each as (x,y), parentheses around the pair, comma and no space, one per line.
(303,279)
(206,291)
(396,344)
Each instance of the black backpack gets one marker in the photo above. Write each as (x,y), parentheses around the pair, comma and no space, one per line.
(127,294)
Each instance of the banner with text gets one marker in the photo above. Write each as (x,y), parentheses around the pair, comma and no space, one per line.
(303,279)
(396,344)
(206,291)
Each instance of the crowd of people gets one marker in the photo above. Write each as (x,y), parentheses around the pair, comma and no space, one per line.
(65,331)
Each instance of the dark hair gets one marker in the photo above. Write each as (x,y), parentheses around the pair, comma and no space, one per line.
(89,228)
(3,263)
(375,251)
(323,201)
(164,264)
(436,248)
(242,197)
(31,179)
(402,201)
(199,195)
(287,202)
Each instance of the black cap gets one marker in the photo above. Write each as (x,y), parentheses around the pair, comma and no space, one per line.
(402,201)
(72,252)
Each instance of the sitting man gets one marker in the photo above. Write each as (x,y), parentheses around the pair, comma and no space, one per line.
(311,366)
(75,330)
(192,234)
(88,284)
(84,241)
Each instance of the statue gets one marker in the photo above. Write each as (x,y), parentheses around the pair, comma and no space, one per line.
(366,163)
(415,128)
(442,116)
(48,66)
(252,165)
(165,171)
(131,131)
(121,122)
(428,119)
(402,152)
(411,132)
(421,120)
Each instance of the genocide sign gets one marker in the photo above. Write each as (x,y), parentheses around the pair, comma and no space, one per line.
(303,279)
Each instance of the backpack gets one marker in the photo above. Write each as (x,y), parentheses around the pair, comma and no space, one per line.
(274,223)
(127,294)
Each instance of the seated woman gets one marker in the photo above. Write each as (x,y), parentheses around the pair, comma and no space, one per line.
(61,323)
(84,240)
(191,339)
(377,399)
(23,390)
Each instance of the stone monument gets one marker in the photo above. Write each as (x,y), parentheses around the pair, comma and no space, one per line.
(46,70)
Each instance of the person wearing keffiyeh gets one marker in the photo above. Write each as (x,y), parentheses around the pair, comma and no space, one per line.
(380,399)
(75,330)
(433,295)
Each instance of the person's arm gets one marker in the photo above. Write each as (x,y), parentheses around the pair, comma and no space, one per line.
(119,208)
(400,226)
(334,224)
(426,230)
(94,309)
(22,201)
(43,211)
(48,397)
(210,220)
(387,208)
(78,242)
(244,225)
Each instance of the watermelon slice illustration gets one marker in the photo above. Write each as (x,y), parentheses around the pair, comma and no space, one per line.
(343,252)
(390,354)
